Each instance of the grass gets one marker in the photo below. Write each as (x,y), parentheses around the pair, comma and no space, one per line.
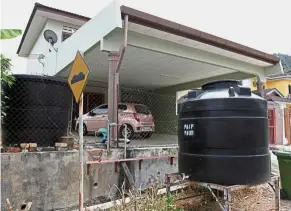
(151,201)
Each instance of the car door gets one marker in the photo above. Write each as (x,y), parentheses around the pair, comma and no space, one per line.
(98,118)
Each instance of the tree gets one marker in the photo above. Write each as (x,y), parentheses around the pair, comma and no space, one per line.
(7,78)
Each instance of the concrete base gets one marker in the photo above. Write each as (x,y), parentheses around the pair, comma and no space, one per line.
(51,179)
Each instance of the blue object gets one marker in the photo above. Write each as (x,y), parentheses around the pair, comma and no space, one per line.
(104,139)
(103,132)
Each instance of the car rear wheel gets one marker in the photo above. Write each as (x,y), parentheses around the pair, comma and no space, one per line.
(130,132)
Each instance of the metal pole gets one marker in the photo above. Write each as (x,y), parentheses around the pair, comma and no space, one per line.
(81,152)
(277,193)
(125,140)
(108,135)
(81,197)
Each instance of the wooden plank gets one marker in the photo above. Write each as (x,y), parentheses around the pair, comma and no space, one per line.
(128,175)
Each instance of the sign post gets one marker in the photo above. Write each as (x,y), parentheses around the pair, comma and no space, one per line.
(77,81)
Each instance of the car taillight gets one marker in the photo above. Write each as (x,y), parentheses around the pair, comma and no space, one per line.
(136,117)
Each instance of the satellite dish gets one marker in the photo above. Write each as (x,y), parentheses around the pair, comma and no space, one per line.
(50,36)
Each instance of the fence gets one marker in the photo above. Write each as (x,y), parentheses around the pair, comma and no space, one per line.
(41,110)
(37,110)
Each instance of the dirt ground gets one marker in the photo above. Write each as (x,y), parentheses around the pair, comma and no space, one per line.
(260,198)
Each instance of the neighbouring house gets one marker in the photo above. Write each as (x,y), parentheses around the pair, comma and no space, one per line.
(277,90)
(279,114)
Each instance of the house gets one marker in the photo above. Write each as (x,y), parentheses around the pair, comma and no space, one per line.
(282,82)
(277,90)
(152,57)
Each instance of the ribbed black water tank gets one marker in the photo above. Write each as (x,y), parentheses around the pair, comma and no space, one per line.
(38,110)
(223,135)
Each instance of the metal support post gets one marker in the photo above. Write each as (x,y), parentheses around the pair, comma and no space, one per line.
(227,199)
(125,140)
(112,95)
(277,193)
(108,135)
(168,184)
(214,196)
(81,197)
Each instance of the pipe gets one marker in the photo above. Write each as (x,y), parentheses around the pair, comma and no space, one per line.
(125,139)
(132,159)
(124,46)
(108,136)
(260,86)
(116,78)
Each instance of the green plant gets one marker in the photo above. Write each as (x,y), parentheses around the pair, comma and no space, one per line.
(170,205)
(7,78)
(9,33)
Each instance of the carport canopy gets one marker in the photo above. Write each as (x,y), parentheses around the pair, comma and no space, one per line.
(160,54)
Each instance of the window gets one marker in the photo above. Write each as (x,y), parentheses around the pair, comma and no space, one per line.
(122,107)
(142,109)
(289,89)
(65,35)
(67,32)
(101,109)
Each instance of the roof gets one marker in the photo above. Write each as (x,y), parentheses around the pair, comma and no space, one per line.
(277,95)
(145,19)
(269,91)
(280,76)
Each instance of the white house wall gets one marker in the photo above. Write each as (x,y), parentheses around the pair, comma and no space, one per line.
(86,37)
(41,46)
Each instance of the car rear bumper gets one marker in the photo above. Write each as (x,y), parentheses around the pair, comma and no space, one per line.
(144,128)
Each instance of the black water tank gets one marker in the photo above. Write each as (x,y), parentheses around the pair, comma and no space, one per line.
(39,110)
(223,135)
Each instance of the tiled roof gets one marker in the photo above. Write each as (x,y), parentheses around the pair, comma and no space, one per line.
(273,97)
(279,76)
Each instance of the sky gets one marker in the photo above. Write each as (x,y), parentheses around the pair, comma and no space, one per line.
(261,24)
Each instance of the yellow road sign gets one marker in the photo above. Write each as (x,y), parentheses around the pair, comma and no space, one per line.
(78,76)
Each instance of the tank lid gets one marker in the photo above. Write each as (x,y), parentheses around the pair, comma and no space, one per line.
(222,84)
(40,78)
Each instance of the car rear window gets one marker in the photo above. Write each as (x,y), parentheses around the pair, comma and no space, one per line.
(142,109)
(122,107)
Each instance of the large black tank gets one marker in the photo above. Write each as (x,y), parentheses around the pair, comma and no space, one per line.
(38,110)
(223,135)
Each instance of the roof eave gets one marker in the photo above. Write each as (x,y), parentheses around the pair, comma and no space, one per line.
(158,23)
(38,6)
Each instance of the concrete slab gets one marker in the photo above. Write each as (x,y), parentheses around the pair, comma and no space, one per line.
(154,141)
